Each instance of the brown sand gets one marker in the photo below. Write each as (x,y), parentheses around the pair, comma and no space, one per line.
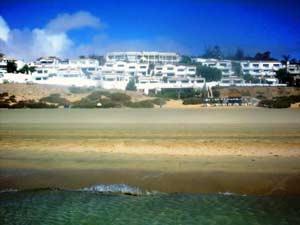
(244,157)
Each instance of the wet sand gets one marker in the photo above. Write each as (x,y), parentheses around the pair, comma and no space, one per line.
(247,151)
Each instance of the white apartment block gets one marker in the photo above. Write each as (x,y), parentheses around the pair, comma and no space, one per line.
(261,69)
(117,75)
(88,66)
(148,57)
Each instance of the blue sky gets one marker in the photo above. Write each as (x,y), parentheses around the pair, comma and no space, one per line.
(186,27)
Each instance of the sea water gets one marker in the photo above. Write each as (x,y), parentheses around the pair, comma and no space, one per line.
(120,204)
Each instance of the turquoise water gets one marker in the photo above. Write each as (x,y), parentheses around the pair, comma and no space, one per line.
(90,207)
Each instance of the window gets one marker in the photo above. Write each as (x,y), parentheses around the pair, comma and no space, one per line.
(223,64)
(184,81)
(256,71)
(192,70)
(170,74)
(276,65)
(131,67)
(170,68)
(180,70)
(143,67)
(199,81)
(109,65)
(246,65)
(121,65)
(172,81)
(266,65)
(255,65)
(158,68)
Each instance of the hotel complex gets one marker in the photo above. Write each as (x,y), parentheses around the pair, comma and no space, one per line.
(151,71)
(147,57)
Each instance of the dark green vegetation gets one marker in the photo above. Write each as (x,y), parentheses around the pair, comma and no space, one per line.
(11,67)
(209,73)
(97,99)
(189,96)
(79,207)
(105,99)
(10,102)
(280,102)
(178,93)
(26,69)
(285,78)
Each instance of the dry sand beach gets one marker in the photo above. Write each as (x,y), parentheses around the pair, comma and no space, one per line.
(248,151)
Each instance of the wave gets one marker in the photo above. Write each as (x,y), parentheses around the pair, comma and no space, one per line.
(109,189)
(116,188)
(99,188)
(230,193)
(8,190)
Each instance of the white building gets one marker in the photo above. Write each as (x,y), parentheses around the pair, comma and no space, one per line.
(261,69)
(148,57)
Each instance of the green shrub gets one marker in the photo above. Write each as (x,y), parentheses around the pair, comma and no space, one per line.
(141,104)
(55,98)
(32,105)
(120,97)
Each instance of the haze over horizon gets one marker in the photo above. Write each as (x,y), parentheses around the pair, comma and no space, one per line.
(29,29)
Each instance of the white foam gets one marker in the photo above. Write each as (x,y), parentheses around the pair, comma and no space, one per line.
(114,188)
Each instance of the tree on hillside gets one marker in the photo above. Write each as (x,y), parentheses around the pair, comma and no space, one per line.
(213,52)
(284,77)
(11,66)
(186,60)
(131,85)
(250,79)
(210,74)
(263,56)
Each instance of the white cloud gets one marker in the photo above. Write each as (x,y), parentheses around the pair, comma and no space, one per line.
(65,22)
(53,39)
(4,30)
